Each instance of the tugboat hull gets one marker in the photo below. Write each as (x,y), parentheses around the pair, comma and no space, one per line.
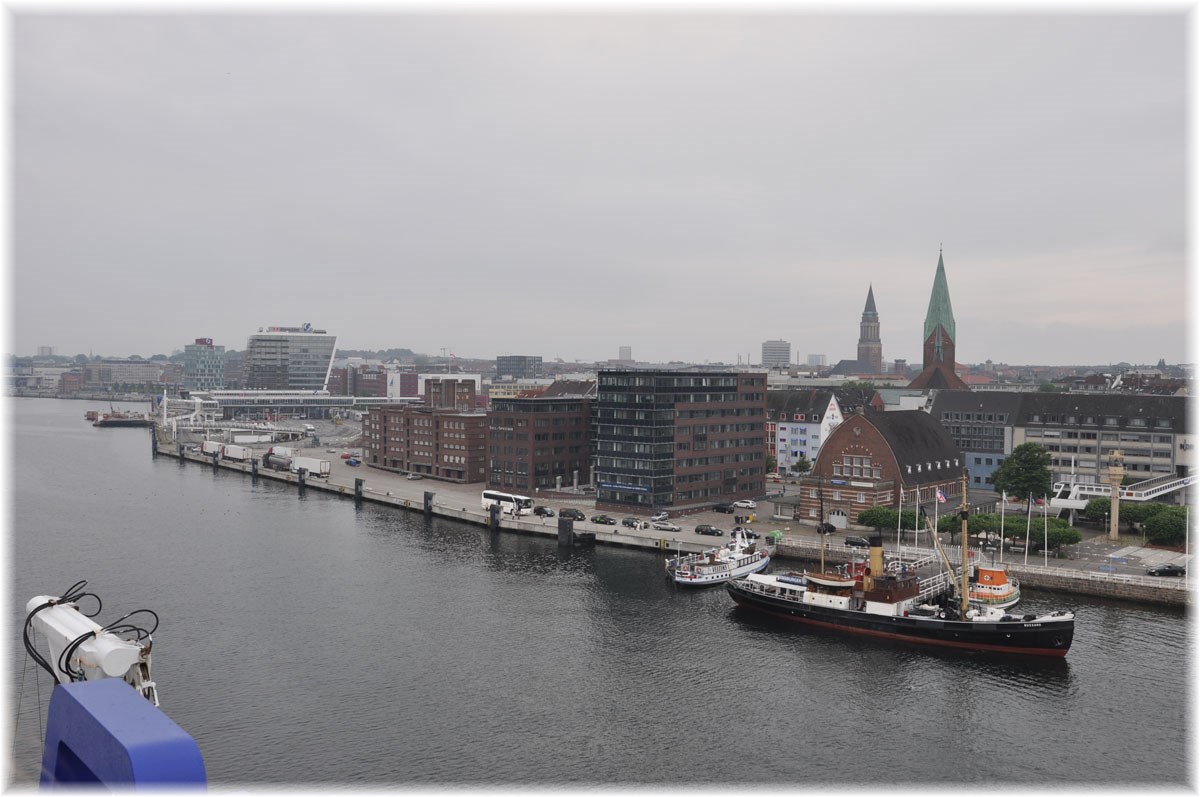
(1044,636)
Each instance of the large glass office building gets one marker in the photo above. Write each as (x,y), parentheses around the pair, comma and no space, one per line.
(289,358)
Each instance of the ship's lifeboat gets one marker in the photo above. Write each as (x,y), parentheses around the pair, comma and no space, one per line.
(993,587)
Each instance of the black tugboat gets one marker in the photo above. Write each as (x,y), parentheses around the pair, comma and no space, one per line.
(899,606)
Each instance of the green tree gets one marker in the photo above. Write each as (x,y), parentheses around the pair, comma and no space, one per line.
(1024,472)
(801,466)
(1167,527)
(772,463)
(878,516)
(1097,509)
(1140,511)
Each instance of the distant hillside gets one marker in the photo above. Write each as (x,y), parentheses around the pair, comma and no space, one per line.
(382,354)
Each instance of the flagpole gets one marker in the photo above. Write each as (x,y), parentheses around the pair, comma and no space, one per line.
(899,514)
(1028,521)
(1045,531)
(1003,501)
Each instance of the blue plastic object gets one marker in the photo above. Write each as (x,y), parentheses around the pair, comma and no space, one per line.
(105,733)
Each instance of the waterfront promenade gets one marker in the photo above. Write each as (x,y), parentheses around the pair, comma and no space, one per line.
(1096,566)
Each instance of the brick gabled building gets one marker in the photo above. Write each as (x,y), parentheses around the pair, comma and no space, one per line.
(870,458)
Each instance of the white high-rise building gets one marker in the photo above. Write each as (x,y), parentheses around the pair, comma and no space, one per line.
(817,360)
(776,354)
(625,354)
(289,358)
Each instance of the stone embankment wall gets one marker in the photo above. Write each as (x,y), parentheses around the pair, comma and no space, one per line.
(1077,582)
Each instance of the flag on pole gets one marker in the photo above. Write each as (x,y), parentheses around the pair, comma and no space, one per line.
(941,497)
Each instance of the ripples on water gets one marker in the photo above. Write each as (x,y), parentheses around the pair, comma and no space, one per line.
(306,641)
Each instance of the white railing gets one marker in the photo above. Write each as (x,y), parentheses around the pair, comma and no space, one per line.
(1016,568)
(1142,491)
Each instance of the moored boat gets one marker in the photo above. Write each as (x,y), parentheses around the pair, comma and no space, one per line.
(737,558)
(115,417)
(898,606)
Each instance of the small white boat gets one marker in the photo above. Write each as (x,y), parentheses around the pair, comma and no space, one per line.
(736,559)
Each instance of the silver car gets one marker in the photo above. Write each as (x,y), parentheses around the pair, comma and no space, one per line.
(665,525)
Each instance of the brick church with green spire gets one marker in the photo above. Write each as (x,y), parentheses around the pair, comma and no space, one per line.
(938,358)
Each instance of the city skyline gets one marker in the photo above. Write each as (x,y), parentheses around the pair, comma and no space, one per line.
(502,184)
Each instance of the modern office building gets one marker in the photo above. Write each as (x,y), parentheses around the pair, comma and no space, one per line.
(816,360)
(776,354)
(679,440)
(1079,430)
(289,358)
(982,426)
(518,367)
(132,375)
(542,442)
(203,365)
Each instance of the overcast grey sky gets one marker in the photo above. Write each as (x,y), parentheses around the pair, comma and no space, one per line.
(688,184)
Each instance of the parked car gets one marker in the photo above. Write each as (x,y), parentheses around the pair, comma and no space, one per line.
(747,533)
(665,525)
(572,513)
(632,523)
(345,455)
(726,508)
(745,503)
(659,516)
(1167,570)
(711,531)
(603,520)
(857,542)
(412,477)
(543,511)
(774,477)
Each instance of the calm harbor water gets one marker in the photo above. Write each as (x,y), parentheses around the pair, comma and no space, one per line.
(304,641)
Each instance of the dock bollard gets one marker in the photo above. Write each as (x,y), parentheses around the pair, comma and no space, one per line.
(566,532)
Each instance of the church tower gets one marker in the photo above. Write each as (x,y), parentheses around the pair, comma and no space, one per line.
(870,349)
(938,351)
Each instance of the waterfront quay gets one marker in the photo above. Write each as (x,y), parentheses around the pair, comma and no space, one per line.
(1099,567)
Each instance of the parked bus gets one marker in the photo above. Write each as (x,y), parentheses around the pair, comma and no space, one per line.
(507,501)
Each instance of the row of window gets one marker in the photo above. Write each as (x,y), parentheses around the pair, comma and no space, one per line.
(1107,420)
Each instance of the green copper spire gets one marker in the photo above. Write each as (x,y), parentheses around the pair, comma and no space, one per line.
(870,307)
(940,311)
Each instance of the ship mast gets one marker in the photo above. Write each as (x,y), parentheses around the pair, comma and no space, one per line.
(964,595)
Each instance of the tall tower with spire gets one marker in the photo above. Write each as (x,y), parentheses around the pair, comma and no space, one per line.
(870,349)
(938,353)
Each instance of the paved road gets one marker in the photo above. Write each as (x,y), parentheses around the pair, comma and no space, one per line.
(1096,553)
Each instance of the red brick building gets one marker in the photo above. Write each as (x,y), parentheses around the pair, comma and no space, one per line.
(434,442)
(868,459)
(541,442)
